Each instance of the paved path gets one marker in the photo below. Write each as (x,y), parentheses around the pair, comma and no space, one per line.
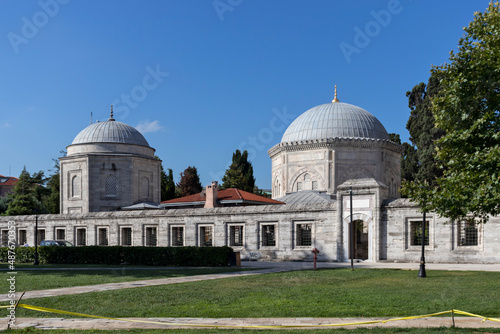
(265,267)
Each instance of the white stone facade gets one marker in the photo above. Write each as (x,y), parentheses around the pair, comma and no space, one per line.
(324,165)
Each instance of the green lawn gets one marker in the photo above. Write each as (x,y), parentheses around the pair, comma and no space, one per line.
(51,279)
(322,293)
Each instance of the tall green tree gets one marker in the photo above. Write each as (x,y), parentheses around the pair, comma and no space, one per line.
(409,161)
(190,182)
(167,185)
(52,200)
(24,197)
(240,173)
(467,110)
(423,132)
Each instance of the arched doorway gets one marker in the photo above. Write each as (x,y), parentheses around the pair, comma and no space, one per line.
(361,240)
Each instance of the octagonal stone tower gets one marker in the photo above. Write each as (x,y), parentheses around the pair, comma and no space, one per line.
(330,144)
(109,165)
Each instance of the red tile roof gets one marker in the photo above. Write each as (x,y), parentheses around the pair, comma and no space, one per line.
(231,194)
(11,181)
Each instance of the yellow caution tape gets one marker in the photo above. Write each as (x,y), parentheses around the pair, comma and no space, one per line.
(475,315)
(49,310)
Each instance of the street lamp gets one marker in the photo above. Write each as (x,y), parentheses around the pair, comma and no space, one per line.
(421,272)
(351,230)
(36,238)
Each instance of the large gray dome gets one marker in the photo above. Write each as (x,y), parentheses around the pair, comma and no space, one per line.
(335,120)
(110,131)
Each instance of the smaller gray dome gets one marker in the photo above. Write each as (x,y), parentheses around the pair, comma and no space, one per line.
(110,131)
(335,120)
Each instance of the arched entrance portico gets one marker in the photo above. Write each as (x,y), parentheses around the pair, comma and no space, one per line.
(362,237)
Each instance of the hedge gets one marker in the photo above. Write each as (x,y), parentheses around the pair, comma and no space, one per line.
(149,256)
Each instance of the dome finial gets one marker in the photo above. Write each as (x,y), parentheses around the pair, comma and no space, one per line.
(335,97)
(111,115)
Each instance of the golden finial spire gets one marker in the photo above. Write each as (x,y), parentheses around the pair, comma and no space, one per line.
(111,115)
(335,97)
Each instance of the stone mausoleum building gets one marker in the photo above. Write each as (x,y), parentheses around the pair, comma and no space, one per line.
(110,193)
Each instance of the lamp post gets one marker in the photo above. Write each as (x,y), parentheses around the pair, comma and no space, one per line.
(351,230)
(421,272)
(36,238)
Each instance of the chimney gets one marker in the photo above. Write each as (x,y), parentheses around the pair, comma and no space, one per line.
(211,195)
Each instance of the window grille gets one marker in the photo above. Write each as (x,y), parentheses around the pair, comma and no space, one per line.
(110,186)
(468,233)
(22,237)
(206,236)
(177,236)
(41,235)
(304,235)
(5,238)
(314,185)
(102,235)
(126,236)
(81,235)
(416,233)
(268,235)
(60,234)
(299,186)
(151,236)
(236,235)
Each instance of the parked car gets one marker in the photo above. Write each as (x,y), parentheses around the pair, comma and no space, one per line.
(56,243)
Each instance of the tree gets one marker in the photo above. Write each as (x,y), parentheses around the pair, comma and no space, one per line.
(467,110)
(167,185)
(190,182)
(24,197)
(409,162)
(423,132)
(240,173)
(52,201)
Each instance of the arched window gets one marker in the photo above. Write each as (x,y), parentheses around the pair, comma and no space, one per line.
(145,188)
(75,186)
(110,186)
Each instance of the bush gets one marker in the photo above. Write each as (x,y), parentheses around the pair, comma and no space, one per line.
(148,256)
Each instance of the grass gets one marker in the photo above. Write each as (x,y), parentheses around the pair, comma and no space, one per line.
(322,293)
(52,279)
(441,330)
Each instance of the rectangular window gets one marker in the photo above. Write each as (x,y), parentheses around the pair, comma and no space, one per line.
(151,236)
(303,235)
(81,236)
(126,236)
(5,238)
(41,235)
(102,236)
(206,236)
(268,235)
(236,235)
(416,233)
(22,237)
(468,233)
(177,235)
(60,234)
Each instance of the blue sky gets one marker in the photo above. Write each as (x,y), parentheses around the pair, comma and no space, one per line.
(201,78)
